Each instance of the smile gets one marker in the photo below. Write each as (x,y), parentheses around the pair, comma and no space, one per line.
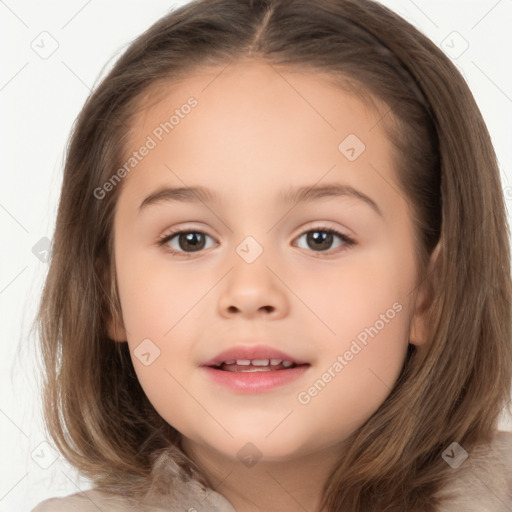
(254,378)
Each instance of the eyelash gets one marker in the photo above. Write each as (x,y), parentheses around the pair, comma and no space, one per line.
(163,240)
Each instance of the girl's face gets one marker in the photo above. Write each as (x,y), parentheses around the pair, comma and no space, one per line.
(256,264)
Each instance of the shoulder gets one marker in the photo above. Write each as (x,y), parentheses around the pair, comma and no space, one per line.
(484,480)
(194,497)
(88,501)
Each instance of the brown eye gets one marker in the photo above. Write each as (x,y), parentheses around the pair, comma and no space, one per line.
(186,241)
(321,240)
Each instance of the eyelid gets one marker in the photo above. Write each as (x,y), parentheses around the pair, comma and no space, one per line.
(309,226)
(348,239)
(182,229)
(325,225)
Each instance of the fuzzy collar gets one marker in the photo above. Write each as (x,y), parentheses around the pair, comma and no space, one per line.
(482,483)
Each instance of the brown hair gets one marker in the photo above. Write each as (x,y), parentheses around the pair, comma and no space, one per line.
(95,409)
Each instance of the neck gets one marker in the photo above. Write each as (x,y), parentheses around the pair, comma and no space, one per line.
(253,486)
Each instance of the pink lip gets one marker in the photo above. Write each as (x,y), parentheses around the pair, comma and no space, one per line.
(258,381)
(255,382)
(252,352)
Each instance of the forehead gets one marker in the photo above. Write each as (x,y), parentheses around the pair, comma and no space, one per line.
(249,84)
(254,125)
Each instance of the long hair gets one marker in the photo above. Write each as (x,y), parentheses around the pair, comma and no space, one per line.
(95,409)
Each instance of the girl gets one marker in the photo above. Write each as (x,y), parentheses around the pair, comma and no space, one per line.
(280,278)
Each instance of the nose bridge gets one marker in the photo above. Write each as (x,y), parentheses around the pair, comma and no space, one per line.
(251,286)
(250,262)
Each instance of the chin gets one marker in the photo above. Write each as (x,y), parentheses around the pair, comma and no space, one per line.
(258,447)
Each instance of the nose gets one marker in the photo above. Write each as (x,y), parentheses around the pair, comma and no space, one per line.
(253,290)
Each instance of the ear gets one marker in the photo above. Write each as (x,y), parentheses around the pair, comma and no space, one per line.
(418,333)
(115,328)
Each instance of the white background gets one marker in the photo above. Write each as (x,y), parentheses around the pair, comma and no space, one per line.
(39,100)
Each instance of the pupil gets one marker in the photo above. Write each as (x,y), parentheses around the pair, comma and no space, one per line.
(320,240)
(195,240)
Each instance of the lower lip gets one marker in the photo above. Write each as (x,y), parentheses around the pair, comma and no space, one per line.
(255,382)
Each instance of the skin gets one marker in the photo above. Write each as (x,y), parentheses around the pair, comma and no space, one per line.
(254,133)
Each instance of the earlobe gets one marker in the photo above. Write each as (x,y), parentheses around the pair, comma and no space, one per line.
(116,329)
(115,325)
(419,328)
(418,331)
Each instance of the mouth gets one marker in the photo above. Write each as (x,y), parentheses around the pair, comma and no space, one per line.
(255,365)
(253,358)
(254,369)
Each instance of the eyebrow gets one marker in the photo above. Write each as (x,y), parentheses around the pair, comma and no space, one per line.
(291,195)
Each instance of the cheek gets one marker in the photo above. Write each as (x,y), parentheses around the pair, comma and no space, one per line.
(367,307)
(356,373)
(351,296)
(161,314)
(338,309)
(156,294)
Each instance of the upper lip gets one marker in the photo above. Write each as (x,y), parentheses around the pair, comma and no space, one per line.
(251,352)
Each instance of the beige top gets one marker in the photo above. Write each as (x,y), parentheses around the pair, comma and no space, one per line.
(192,498)
(481,483)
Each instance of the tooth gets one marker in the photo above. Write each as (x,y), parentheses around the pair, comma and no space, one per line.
(275,362)
(259,362)
(243,362)
(231,361)
(287,364)
(253,369)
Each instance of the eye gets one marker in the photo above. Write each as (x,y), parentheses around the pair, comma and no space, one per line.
(320,239)
(183,242)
